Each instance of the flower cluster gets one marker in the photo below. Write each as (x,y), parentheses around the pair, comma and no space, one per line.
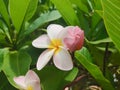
(59,41)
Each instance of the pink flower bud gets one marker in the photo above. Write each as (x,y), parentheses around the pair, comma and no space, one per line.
(74,39)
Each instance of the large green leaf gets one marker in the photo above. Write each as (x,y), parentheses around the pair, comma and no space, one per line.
(50,16)
(4,12)
(111,16)
(20,10)
(68,13)
(55,79)
(93,69)
(15,64)
(31,9)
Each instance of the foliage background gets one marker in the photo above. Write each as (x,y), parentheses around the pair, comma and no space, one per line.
(21,21)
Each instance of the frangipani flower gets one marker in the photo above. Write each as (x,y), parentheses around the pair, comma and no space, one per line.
(28,82)
(74,38)
(53,40)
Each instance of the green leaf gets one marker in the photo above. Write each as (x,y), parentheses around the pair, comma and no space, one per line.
(98,5)
(86,53)
(18,9)
(4,84)
(111,16)
(93,69)
(55,79)
(95,52)
(47,17)
(99,12)
(5,29)
(4,12)
(105,40)
(98,32)
(2,51)
(110,49)
(67,11)
(82,6)
(2,36)
(84,24)
(31,9)
(15,64)
(95,20)
(115,59)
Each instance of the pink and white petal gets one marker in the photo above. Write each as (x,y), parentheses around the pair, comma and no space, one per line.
(44,58)
(68,42)
(42,41)
(35,85)
(63,60)
(53,30)
(20,81)
(30,77)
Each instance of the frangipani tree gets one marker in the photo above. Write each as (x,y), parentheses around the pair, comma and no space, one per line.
(81,38)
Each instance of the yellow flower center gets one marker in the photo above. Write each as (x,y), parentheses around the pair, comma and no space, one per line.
(55,44)
(29,88)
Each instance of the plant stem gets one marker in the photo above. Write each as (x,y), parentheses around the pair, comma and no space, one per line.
(75,81)
(105,59)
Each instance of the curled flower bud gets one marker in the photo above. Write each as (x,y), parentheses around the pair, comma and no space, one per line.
(74,38)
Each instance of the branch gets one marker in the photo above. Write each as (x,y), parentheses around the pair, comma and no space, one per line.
(75,81)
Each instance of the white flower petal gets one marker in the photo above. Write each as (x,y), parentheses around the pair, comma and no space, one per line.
(20,81)
(53,30)
(42,41)
(63,60)
(31,77)
(44,58)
